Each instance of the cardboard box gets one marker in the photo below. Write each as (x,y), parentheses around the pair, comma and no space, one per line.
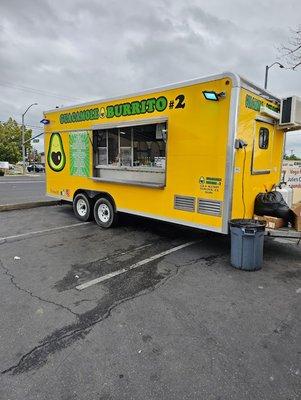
(296,195)
(271,222)
(296,208)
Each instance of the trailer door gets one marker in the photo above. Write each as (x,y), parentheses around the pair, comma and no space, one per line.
(262,148)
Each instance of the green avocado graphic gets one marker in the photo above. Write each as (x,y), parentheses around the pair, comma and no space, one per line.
(56,156)
(102,112)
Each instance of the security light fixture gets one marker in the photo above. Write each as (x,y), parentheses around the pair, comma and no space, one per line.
(211,95)
(45,121)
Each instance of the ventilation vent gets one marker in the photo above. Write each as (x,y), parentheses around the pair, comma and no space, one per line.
(184,203)
(210,207)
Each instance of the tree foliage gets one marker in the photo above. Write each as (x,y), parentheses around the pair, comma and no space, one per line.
(291,51)
(11,141)
(291,157)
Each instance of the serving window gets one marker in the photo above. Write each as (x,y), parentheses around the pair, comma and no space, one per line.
(137,148)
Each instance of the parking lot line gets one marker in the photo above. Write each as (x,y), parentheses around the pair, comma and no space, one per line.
(136,265)
(42,231)
(24,182)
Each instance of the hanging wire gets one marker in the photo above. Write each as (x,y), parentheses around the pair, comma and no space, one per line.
(243,184)
(37,91)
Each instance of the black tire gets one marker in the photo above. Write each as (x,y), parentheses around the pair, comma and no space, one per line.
(104,213)
(82,207)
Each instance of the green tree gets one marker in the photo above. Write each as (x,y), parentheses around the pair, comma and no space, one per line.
(292,157)
(11,141)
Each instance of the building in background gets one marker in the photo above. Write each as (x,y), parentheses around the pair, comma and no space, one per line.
(292,175)
(42,154)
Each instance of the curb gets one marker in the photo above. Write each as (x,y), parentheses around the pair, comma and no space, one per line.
(36,175)
(32,204)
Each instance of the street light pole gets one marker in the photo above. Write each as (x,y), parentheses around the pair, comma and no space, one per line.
(23,146)
(23,136)
(267,67)
(266,76)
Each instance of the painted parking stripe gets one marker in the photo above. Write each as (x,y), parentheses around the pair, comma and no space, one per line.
(21,235)
(123,253)
(13,182)
(136,265)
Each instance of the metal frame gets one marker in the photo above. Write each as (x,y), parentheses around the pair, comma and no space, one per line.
(284,125)
(283,232)
(259,171)
(282,155)
(229,172)
(128,182)
(252,87)
(132,124)
(172,220)
(154,216)
(267,120)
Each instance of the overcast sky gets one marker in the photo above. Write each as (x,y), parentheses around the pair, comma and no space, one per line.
(68,51)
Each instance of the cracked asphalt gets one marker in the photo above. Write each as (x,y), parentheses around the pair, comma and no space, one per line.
(184,326)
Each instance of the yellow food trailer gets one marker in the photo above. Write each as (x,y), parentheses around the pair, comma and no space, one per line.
(194,153)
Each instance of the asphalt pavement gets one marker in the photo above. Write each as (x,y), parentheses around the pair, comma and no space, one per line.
(182,324)
(16,189)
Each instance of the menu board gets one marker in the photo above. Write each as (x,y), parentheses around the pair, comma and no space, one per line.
(79,145)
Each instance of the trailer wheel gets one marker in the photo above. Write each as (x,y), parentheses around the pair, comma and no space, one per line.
(104,213)
(82,207)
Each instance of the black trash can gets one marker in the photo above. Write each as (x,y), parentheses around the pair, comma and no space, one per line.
(247,238)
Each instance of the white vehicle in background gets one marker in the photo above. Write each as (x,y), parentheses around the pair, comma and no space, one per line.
(4,166)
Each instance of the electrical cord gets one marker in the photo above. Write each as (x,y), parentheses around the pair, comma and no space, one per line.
(243,184)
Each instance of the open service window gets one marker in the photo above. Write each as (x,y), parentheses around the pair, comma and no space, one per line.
(133,153)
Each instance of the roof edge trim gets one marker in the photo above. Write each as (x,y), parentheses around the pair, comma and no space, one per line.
(234,77)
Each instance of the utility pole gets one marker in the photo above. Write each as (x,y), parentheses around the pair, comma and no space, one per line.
(23,136)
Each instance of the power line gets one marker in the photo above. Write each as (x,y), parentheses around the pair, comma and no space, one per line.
(26,125)
(37,91)
(31,126)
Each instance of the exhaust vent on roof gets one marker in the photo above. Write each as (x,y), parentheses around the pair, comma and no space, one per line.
(184,203)
(210,207)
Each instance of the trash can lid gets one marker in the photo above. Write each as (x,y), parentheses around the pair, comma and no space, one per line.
(248,223)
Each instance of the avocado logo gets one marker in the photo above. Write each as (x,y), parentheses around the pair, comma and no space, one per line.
(102,113)
(56,156)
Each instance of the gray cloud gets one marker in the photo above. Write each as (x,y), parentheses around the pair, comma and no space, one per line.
(97,49)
